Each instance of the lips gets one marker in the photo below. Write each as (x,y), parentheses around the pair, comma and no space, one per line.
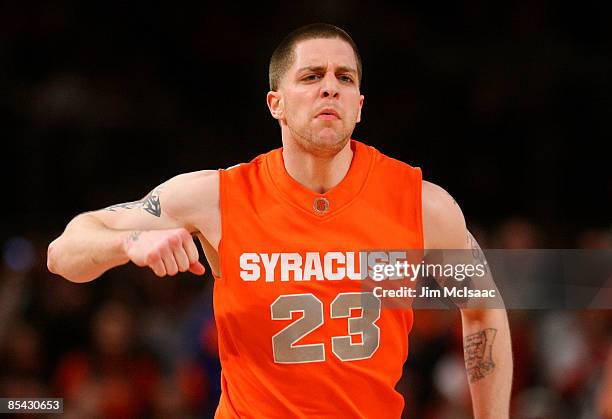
(328,114)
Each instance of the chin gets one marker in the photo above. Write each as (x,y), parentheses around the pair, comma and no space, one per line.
(321,141)
(326,145)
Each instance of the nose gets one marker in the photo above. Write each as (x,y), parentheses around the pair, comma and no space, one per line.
(329,87)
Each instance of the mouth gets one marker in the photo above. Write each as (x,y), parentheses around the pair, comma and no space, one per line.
(328,114)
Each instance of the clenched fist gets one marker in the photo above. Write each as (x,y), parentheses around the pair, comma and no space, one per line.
(166,252)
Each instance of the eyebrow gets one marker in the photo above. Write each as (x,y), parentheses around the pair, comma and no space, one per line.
(320,68)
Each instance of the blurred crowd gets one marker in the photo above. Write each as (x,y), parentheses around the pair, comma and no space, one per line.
(132,345)
(127,345)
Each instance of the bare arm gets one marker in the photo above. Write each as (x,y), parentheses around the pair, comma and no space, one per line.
(487,350)
(486,333)
(154,232)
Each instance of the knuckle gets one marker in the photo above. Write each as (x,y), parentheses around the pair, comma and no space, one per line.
(192,253)
(174,240)
(152,257)
(180,254)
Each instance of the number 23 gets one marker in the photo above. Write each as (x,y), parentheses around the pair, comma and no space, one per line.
(283,343)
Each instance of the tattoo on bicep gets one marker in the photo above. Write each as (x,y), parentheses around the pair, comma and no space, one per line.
(477,252)
(451,197)
(478,353)
(149,203)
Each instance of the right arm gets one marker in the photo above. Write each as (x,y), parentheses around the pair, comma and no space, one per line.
(153,232)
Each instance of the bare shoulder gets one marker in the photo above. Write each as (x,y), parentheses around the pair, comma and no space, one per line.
(186,185)
(192,194)
(443,222)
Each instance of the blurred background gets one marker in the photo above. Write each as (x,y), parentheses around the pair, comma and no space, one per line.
(508,107)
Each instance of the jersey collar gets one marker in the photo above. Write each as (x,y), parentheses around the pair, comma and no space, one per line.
(322,205)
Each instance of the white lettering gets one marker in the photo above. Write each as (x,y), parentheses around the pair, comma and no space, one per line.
(291,262)
(350,266)
(375,259)
(377,274)
(269,262)
(334,276)
(394,259)
(312,266)
(465,292)
(249,268)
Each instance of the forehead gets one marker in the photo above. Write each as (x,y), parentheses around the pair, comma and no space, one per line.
(313,52)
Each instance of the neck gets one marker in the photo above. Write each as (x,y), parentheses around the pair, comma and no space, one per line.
(317,173)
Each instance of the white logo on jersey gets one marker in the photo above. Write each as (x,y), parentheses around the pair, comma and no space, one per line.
(331,266)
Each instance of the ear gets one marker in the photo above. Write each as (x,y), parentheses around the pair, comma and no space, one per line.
(275,104)
(360,106)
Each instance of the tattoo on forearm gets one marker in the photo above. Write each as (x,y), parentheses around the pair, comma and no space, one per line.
(134,236)
(149,203)
(478,353)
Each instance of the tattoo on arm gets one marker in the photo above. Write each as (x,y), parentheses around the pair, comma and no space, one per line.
(134,236)
(451,197)
(477,252)
(149,203)
(478,353)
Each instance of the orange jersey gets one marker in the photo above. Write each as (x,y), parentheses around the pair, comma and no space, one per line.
(298,336)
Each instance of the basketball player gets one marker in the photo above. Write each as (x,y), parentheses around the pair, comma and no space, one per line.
(280,233)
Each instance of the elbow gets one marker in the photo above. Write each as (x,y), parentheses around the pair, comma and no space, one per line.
(54,266)
(52,259)
(474,317)
(479,317)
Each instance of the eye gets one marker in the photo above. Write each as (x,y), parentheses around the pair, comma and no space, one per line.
(311,77)
(346,78)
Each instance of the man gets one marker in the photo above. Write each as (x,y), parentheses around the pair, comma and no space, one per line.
(281,233)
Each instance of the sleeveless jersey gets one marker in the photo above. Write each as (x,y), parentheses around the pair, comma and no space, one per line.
(295,337)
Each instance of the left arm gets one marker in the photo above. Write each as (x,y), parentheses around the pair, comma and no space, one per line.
(486,333)
(488,356)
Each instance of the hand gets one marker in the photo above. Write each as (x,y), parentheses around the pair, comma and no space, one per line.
(166,252)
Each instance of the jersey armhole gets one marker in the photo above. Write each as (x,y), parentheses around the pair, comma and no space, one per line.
(222,209)
(419,204)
